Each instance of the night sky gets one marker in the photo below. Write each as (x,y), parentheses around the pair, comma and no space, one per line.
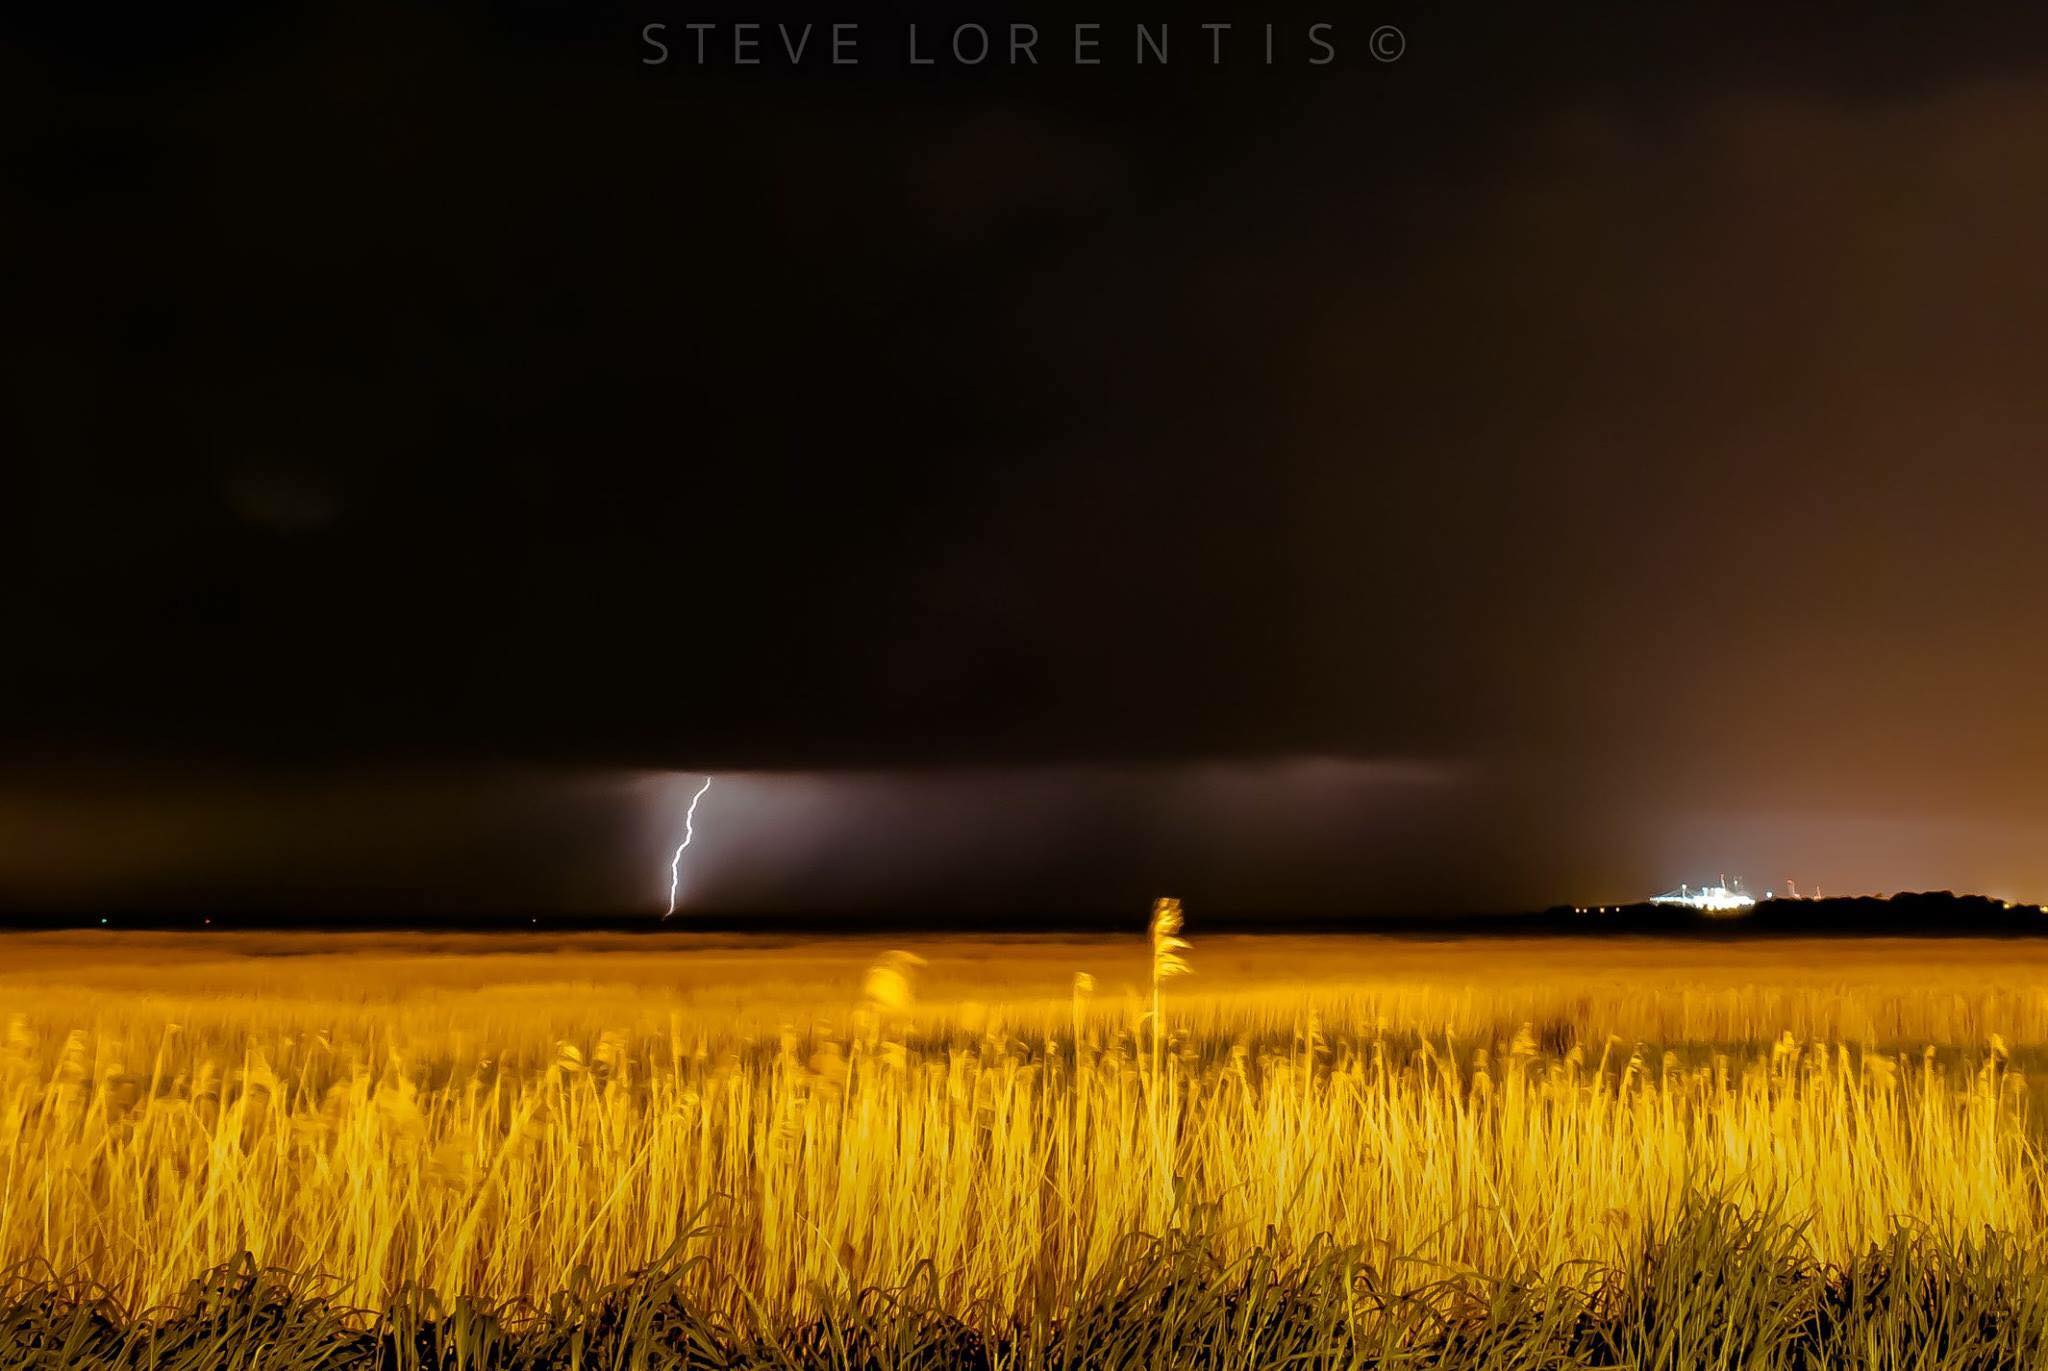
(1592,451)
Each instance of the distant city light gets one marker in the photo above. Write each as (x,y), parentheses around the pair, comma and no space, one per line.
(1714,899)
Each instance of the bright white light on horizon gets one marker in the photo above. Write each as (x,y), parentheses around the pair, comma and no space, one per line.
(1714,899)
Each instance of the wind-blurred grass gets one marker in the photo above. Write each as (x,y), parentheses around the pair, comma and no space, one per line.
(757,1137)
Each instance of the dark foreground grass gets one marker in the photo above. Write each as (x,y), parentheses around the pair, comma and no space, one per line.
(1720,1291)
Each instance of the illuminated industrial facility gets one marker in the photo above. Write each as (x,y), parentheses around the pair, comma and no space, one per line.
(1714,899)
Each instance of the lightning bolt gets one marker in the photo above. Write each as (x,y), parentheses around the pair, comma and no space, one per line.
(675,864)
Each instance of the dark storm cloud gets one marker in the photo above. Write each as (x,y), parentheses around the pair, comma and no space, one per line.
(1637,410)
(388,840)
(1278,835)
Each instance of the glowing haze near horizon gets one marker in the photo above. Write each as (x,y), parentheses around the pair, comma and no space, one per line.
(1284,835)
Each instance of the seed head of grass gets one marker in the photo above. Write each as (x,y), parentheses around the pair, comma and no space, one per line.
(1167,944)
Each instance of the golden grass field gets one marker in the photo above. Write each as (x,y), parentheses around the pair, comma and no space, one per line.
(487,1114)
